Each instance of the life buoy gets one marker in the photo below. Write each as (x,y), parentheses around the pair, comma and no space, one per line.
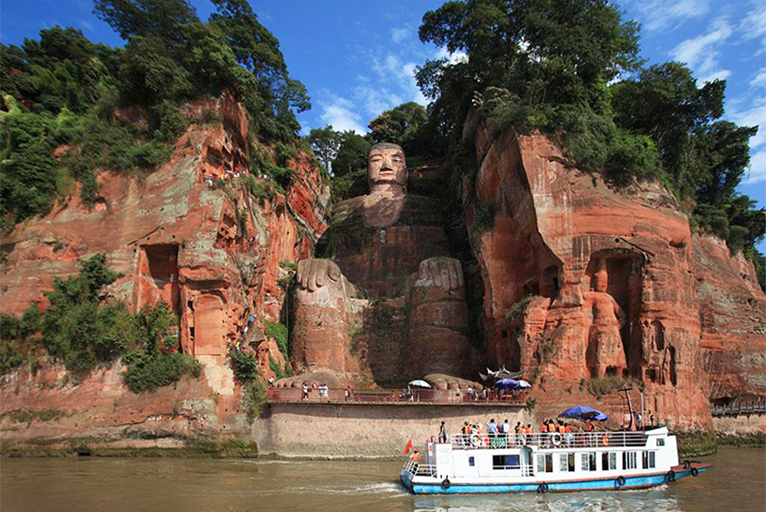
(521,439)
(621,481)
(671,476)
(557,439)
(694,471)
(446,483)
(543,488)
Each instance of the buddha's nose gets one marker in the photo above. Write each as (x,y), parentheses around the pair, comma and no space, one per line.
(386,164)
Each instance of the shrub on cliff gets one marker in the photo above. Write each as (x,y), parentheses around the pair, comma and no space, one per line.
(246,370)
(82,331)
(147,372)
(244,366)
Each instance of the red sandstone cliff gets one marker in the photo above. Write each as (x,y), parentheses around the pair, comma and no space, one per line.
(673,304)
(213,253)
(620,285)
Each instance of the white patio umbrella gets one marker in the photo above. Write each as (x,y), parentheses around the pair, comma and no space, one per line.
(523,383)
(418,383)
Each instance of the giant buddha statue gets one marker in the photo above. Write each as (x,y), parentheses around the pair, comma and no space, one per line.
(387,302)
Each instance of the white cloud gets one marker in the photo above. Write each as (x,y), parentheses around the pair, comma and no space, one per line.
(753,24)
(376,100)
(754,116)
(756,171)
(758,82)
(702,52)
(340,113)
(720,74)
(400,34)
(662,14)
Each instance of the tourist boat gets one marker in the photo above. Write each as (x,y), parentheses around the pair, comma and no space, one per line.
(548,462)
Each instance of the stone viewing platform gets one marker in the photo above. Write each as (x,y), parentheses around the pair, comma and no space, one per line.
(336,396)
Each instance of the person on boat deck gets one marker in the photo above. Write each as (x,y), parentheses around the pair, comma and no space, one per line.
(415,457)
(552,428)
(517,428)
(492,428)
(544,428)
(505,428)
(568,434)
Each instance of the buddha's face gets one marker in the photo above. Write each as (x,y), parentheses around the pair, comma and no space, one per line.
(387,166)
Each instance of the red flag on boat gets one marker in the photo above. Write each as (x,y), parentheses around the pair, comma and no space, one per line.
(408,446)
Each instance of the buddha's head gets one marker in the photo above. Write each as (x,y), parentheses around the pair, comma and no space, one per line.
(601,276)
(386,168)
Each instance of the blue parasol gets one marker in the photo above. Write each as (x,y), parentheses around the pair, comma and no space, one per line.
(582,412)
(507,384)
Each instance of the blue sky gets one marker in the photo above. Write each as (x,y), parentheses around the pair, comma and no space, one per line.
(357,58)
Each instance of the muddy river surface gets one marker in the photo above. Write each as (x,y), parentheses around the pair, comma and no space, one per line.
(737,483)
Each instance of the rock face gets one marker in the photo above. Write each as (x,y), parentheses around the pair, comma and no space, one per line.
(212,253)
(732,312)
(610,280)
(576,284)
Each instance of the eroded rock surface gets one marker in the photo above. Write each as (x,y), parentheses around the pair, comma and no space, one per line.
(214,254)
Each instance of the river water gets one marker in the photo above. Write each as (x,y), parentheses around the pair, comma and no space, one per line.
(736,483)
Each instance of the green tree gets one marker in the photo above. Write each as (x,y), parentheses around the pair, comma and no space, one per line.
(397,125)
(325,142)
(352,154)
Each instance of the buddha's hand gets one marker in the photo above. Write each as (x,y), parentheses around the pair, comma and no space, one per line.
(314,273)
(444,272)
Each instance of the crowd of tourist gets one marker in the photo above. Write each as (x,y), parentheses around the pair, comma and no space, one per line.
(502,434)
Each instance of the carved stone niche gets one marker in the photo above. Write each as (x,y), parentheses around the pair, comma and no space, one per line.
(158,276)
(615,281)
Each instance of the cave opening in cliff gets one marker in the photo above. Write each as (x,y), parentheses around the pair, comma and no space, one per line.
(160,267)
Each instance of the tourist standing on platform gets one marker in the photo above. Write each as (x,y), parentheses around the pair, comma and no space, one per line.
(442,436)
(304,391)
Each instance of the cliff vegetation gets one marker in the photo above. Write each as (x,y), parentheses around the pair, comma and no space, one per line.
(83,329)
(71,107)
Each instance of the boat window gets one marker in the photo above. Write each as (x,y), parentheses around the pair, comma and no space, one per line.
(612,460)
(567,462)
(660,442)
(630,460)
(604,463)
(649,460)
(544,463)
(471,462)
(506,462)
(589,461)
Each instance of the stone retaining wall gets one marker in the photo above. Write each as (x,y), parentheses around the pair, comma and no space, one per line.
(366,430)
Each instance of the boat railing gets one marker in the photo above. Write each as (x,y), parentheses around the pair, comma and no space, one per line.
(550,440)
(416,468)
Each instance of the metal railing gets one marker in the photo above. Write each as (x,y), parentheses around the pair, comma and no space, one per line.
(739,409)
(316,395)
(418,469)
(549,440)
